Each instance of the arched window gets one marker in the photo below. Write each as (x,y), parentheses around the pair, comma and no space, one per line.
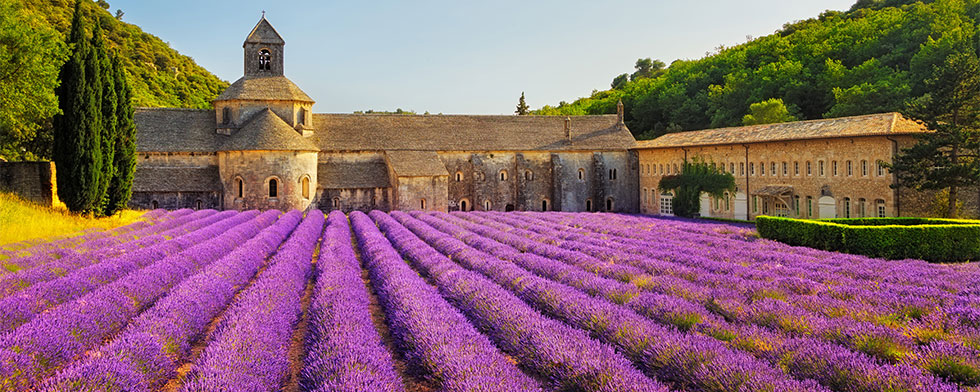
(305,184)
(880,207)
(200,205)
(544,205)
(155,204)
(528,175)
(588,205)
(615,174)
(847,207)
(864,168)
(833,168)
(374,201)
(675,169)
(336,203)
(265,60)
(241,188)
(609,204)
(463,204)
(503,175)
(581,174)
(301,117)
(226,115)
(644,197)
(850,169)
(459,176)
(862,208)
(273,187)
(422,204)
(486,205)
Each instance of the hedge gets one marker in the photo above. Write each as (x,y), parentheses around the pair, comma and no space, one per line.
(935,240)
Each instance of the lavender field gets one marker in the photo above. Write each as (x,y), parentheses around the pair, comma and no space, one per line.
(478,301)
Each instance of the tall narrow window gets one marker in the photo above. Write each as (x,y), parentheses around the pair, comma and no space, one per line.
(241,188)
(773,172)
(544,205)
(154,204)
(301,117)
(796,168)
(864,168)
(881,169)
(785,169)
(752,168)
(273,188)
(462,205)
(422,204)
(809,206)
(609,204)
(528,175)
(882,211)
(847,207)
(486,205)
(833,168)
(306,187)
(850,169)
(862,208)
(336,203)
(503,175)
(762,168)
(588,205)
(265,60)
(581,174)
(820,168)
(731,167)
(741,169)
(809,170)
(226,115)
(796,205)
(200,205)
(459,176)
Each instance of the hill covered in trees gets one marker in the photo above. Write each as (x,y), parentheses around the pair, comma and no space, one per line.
(872,58)
(32,49)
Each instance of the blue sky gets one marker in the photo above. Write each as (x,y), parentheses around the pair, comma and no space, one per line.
(460,56)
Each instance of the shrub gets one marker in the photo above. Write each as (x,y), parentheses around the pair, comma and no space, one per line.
(935,240)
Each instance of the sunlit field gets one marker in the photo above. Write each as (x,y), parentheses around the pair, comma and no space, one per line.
(21,220)
(477,301)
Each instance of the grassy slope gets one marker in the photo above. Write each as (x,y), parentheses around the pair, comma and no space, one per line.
(22,220)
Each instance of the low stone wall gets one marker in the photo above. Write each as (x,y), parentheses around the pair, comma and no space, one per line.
(34,181)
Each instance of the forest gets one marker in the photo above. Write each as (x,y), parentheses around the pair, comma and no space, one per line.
(32,35)
(874,57)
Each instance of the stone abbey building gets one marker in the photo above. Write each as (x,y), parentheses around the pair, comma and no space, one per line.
(262,146)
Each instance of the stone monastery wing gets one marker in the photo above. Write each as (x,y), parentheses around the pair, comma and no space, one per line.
(373,132)
(177,179)
(175,130)
(868,125)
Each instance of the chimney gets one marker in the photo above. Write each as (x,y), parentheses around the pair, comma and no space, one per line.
(568,128)
(620,113)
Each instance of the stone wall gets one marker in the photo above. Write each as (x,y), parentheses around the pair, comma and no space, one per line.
(421,193)
(354,199)
(257,168)
(34,181)
(176,200)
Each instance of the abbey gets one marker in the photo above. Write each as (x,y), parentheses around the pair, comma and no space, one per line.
(262,146)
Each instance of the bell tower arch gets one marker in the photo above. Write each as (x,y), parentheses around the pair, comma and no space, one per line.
(264,50)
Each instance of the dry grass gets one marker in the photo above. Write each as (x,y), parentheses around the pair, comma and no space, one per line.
(23,220)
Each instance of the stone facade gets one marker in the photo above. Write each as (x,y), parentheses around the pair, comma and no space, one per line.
(34,181)
(814,176)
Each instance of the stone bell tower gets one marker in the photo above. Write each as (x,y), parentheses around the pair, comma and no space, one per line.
(264,51)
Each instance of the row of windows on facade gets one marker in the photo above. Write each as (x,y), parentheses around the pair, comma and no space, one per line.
(274,187)
(774,168)
(724,204)
(528,175)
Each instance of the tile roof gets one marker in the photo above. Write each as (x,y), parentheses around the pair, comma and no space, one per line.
(376,132)
(266,131)
(175,130)
(170,179)
(415,163)
(263,88)
(264,33)
(352,175)
(867,125)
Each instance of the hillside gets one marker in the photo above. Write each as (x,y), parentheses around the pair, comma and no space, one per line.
(160,76)
(872,58)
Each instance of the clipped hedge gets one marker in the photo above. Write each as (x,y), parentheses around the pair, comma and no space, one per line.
(935,240)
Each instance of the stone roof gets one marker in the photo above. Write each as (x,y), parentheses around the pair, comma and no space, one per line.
(264,33)
(266,131)
(415,163)
(175,130)
(264,88)
(867,125)
(352,175)
(169,179)
(377,132)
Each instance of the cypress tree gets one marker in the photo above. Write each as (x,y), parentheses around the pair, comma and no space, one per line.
(107,89)
(124,157)
(78,161)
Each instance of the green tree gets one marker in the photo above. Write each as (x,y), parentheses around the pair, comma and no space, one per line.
(620,81)
(947,159)
(647,68)
(107,95)
(77,157)
(31,52)
(522,108)
(769,111)
(696,177)
(124,158)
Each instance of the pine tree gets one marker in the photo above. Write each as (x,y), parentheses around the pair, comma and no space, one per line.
(107,89)
(124,161)
(947,159)
(78,160)
(522,108)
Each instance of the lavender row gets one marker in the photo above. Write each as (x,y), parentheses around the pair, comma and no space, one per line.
(24,306)
(672,356)
(264,314)
(734,297)
(147,352)
(33,274)
(433,334)
(64,333)
(52,249)
(564,354)
(345,351)
(802,357)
